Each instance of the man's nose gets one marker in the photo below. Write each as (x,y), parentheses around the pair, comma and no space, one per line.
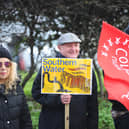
(74,48)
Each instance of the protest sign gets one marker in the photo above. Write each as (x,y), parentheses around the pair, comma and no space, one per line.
(66,75)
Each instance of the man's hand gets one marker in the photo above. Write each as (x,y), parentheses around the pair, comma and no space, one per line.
(66,98)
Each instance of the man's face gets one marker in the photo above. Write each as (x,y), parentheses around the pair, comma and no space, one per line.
(69,50)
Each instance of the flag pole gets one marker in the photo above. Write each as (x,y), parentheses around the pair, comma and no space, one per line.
(66,116)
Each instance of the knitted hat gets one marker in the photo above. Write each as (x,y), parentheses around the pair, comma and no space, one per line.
(4,53)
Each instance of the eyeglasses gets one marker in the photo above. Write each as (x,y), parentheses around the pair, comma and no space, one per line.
(6,64)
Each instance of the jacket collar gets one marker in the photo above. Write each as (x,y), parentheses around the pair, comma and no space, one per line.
(59,55)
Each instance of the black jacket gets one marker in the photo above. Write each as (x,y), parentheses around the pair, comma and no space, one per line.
(83,108)
(14,113)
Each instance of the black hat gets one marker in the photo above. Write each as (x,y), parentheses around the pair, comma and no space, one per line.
(4,53)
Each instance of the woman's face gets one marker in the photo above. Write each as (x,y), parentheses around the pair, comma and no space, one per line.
(5,66)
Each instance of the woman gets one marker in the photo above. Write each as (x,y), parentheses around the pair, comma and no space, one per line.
(14,113)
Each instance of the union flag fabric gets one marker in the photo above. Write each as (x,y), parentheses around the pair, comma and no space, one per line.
(113,57)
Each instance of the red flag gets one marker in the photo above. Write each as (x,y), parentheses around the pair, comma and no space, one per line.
(113,57)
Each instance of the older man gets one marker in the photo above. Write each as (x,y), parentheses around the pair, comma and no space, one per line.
(83,108)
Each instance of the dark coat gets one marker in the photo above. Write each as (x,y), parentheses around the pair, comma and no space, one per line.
(83,108)
(14,113)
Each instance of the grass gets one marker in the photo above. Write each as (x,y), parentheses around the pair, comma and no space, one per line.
(29,84)
(35,111)
(34,107)
(105,119)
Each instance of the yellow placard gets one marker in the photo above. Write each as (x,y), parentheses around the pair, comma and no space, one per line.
(66,75)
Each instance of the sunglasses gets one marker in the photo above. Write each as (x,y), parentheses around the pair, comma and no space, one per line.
(6,64)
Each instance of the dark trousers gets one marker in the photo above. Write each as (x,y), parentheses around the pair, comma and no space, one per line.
(122,122)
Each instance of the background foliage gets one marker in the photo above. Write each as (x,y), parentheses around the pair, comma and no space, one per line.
(41,17)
